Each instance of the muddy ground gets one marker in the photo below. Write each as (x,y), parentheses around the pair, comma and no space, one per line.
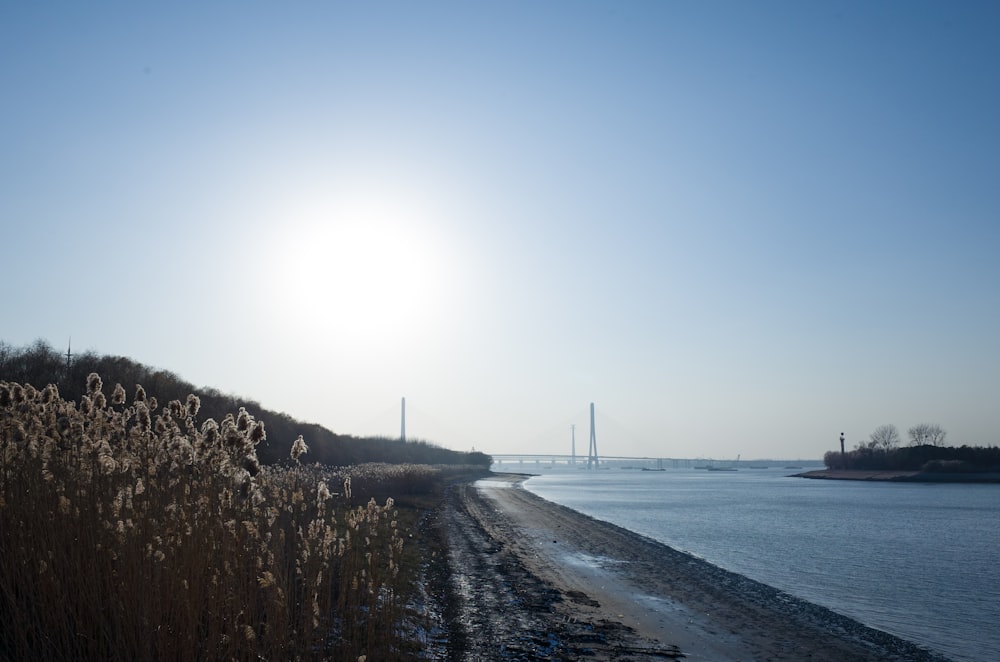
(514,577)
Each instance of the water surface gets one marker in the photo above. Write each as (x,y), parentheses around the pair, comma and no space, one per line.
(916,560)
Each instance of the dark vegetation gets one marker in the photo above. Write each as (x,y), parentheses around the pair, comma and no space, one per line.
(882,452)
(133,528)
(940,459)
(39,364)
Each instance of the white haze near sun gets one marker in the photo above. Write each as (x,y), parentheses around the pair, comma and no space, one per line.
(737,229)
(352,266)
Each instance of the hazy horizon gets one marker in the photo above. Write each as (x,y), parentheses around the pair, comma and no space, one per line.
(736,228)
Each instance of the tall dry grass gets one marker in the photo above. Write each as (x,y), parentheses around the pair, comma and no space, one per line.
(129,531)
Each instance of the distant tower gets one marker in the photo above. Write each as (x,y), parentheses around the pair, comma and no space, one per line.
(572,447)
(402,423)
(592,453)
(843,458)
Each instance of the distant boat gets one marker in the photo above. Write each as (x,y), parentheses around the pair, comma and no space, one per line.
(732,467)
(659,467)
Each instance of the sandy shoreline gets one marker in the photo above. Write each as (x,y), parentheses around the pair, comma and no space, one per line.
(902,476)
(533,580)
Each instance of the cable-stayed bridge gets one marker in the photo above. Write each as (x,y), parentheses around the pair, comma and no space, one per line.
(528,460)
(593,461)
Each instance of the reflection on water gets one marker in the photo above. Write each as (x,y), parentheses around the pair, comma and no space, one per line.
(492,483)
(588,561)
(915,560)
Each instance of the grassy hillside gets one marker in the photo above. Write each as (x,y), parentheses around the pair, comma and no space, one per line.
(39,365)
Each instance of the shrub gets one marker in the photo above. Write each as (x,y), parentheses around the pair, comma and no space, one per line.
(948,467)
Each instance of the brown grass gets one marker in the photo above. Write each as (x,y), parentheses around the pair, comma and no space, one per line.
(130,532)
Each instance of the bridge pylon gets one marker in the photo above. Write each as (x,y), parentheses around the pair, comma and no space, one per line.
(592,461)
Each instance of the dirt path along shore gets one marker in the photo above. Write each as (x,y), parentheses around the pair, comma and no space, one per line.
(531,580)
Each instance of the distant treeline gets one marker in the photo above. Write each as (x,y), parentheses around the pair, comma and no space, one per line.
(39,365)
(935,459)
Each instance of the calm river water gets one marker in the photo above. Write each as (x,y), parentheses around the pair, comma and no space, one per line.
(921,561)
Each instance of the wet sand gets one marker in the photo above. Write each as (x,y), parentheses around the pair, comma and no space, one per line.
(534,580)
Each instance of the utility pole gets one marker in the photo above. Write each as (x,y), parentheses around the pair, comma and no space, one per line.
(69,356)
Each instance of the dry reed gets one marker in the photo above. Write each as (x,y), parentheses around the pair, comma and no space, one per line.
(129,531)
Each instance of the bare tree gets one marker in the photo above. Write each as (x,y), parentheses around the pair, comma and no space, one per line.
(918,434)
(927,434)
(6,351)
(936,435)
(884,437)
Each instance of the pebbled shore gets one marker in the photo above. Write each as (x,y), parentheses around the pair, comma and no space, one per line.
(522,578)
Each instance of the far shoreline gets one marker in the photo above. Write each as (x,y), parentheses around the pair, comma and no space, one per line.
(900,476)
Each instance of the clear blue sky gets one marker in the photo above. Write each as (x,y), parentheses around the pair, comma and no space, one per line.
(735,227)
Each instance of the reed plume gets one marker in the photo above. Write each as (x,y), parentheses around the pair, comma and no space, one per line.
(116,517)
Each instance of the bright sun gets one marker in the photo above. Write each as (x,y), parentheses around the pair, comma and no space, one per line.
(362,267)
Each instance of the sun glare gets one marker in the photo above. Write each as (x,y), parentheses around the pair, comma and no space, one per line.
(368,268)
